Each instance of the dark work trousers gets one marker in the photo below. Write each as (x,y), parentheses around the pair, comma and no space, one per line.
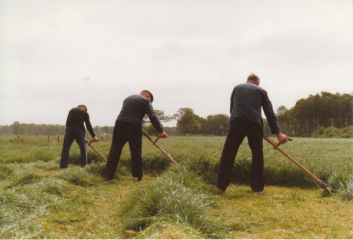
(238,130)
(125,132)
(73,133)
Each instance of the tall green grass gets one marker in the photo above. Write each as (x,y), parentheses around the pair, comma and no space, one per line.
(37,197)
(328,159)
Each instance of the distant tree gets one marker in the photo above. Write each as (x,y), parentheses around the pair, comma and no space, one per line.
(283,119)
(172,131)
(281,110)
(188,122)
(181,112)
(161,116)
(150,130)
(216,124)
(107,130)
(16,128)
(5,129)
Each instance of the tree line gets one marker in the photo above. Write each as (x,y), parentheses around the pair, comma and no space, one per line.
(323,110)
(324,114)
(321,115)
(188,123)
(18,128)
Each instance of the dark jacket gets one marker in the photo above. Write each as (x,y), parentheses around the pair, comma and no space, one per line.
(246,102)
(76,117)
(135,107)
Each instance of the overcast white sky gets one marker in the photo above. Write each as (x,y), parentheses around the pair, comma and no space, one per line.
(56,54)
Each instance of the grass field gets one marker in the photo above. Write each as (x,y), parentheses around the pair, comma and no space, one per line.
(40,200)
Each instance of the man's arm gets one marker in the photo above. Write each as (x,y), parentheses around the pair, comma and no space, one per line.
(272,120)
(231,101)
(270,114)
(89,128)
(154,118)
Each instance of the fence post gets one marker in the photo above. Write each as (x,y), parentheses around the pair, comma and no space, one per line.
(18,139)
(58,140)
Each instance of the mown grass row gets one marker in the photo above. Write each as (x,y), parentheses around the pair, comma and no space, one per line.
(37,197)
(38,200)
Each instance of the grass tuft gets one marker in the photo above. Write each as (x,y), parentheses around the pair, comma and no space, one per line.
(26,179)
(80,177)
(167,230)
(5,171)
(176,196)
(342,185)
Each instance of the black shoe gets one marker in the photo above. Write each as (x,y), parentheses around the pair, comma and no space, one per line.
(107,178)
(105,175)
(219,191)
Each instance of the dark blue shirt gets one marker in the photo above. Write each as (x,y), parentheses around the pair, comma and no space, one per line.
(135,107)
(246,102)
(78,116)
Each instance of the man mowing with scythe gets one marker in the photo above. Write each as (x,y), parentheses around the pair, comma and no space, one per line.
(246,102)
(75,130)
(128,128)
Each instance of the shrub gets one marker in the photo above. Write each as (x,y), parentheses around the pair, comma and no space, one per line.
(333,132)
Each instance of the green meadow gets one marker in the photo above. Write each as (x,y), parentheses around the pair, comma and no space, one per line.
(40,200)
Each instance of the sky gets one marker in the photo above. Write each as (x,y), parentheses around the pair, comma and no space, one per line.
(57,54)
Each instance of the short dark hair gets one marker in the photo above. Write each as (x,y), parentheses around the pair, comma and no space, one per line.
(82,106)
(146,91)
(253,77)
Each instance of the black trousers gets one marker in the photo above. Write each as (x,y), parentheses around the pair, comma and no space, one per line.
(73,133)
(125,132)
(238,130)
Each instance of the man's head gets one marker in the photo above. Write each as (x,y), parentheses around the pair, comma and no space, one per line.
(82,107)
(253,78)
(147,94)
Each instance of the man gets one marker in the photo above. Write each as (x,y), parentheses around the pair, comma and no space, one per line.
(75,130)
(246,102)
(128,128)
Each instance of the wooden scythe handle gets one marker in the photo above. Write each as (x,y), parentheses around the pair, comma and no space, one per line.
(89,144)
(160,149)
(311,175)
